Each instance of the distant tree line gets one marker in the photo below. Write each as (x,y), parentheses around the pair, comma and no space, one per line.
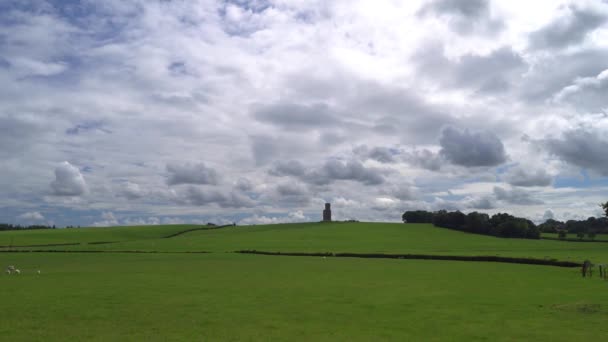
(581,228)
(501,225)
(8,226)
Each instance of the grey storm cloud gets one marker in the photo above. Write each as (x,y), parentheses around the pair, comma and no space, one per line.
(403,192)
(195,195)
(558,71)
(582,148)
(293,193)
(587,93)
(425,159)
(520,176)
(131,191)
(18,133)
(264,149)
(378,153)
(291,189)
(191,174)
(68,181)
(400,112)
(364,107)
(490,73)
(346,170)
(243,184)
(297,117)
(569,29)
(471,149)
(332,170)
(515,196)
(268,148)
(483,202)
(288,168)
(464,16)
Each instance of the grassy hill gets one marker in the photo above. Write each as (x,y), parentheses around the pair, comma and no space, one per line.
(322,237)
(222,296)
(87,235)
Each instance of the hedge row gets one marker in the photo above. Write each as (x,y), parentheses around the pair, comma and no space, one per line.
(195,229)
(572,240)
(529,261)
(46,245)
(93,251)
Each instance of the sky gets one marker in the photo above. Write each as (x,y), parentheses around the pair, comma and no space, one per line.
(156,112)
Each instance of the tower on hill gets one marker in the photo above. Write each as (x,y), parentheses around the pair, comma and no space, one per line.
(327,213)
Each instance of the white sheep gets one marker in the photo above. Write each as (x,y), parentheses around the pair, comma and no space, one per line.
(17,271)
(38,271)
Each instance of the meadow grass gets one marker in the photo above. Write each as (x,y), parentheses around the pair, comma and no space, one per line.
(572,236)
(231,297)
(357,238)
(86,235)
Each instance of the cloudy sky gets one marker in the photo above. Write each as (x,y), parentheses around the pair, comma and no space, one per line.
(134,112)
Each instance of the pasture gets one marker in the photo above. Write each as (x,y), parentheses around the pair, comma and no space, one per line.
(87,235)
(225,296)
(331,237)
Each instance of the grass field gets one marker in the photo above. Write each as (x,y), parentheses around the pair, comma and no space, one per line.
(598,237)
(87,235)
(336,237)
(223,296)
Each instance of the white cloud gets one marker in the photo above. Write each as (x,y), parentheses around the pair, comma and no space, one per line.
(107,219)
(31,216)
(278,97)
(291,217)
(68,181)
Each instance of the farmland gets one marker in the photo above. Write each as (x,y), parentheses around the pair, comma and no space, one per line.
(226,296)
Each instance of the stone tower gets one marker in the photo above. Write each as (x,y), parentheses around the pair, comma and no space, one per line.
(327,213)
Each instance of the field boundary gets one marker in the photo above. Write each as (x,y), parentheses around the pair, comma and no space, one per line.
(510,260)
(45,245)
(195,229)
(98,251)
(110,242)
(572,240)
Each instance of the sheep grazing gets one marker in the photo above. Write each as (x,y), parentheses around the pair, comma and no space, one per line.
(17,271)
(38,271)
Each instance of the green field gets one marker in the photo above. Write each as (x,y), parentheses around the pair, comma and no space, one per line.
(572,236)
(87,235)
(324,237)
(221,296)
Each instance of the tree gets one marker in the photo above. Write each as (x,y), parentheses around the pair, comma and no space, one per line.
(478,223)
(514,228)
(591,235)
(551,226)
(580,235)
(562,234)
(417,216)
(605,207)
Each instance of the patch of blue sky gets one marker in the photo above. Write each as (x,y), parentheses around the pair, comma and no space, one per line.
(88,126)
(504,168)
(255,6)
(86,169)
(584,181)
